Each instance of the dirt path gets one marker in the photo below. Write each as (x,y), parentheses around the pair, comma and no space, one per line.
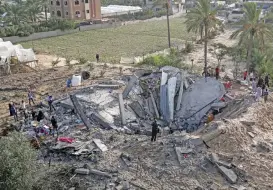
(198,53)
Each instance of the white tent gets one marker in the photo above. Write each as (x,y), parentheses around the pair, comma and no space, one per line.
(7,49)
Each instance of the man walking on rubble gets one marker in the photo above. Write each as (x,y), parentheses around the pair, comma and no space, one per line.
(50,101)
(54,125)
(30,98)
(154,130)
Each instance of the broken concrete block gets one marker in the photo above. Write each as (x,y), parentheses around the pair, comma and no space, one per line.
(214,158)
(251,134)
(212,135)
(100,173)
(108,86)
(96,172)
(129,87)
(98,118)
(83,171)
(248,123)
(196,140)
(126,185)
(228,174)
(223,163)
(100,145)
(136,107)
(218,105)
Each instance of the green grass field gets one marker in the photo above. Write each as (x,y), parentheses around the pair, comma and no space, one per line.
(112,43)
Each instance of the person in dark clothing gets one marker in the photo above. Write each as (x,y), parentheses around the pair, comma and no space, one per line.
(263,89)
(33,114)
(260,82)
(217,72)
(154,131)
(40,116)
(266,80)
(97,57)
(54,125)
(14,112)
(10,113)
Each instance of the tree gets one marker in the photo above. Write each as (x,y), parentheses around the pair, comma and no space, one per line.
(253,29)
(17,163)
(15,13)
(202,18)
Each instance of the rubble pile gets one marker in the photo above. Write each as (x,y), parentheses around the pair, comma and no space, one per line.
(176,99)
(93,123)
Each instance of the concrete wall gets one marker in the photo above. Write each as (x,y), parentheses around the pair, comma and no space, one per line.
(41,35)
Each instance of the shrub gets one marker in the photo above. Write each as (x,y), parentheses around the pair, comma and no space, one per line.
(17,162)
(188,47)
(160,60)
(54,63)
(82,60)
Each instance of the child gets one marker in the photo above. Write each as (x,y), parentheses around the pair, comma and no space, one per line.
(265,95)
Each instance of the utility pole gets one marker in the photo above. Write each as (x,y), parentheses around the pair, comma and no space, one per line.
(168,23)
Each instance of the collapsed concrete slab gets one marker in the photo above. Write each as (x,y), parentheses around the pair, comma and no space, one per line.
(197,100)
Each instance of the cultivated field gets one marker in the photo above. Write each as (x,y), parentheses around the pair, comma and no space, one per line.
(111,44)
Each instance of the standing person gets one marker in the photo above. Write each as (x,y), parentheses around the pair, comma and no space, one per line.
(54,125)
(30,98)
(50,101)
(254,86)
(97,57)
(10,112)
(40,116)
(265,95)
(217,72)
(266,80)
(245,75)
(260,82)
(154,131)
(251,76)
(258,93)
(14,112)
(263,89)
(33,114)
(23,107)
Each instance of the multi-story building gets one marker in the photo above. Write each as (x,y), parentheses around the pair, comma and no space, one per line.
(76,9)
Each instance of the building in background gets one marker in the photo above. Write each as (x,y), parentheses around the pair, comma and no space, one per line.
(76,9)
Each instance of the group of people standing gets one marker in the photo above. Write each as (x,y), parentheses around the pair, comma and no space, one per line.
(259,86)
(21,108)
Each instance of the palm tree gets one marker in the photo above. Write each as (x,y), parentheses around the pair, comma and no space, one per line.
(34,9)
(15,13)
(202,18)
(253,29)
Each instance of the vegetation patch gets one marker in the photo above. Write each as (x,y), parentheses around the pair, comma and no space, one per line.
(114,43)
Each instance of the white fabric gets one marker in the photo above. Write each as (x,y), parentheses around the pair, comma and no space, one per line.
(7,49)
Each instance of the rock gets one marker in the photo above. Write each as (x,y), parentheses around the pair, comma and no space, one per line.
(119,187)
(225,164)
(126,185)
(100,145)
(228,174)
(82,171)
(248,123)
(196,141)
(97,172)
(214,158)
(251,134)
